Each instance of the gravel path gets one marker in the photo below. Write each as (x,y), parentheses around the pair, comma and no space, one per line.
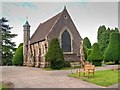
(29,77)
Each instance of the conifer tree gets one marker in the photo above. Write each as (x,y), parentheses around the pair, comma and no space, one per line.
(86,46)
(55,55)
(8,47)
(18,57)
(112,52)
(95,56)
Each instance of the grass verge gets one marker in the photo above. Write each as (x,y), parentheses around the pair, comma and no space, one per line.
(102,78)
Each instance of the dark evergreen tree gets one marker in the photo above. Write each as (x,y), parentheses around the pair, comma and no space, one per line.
(55,55)
(101,29)
(104,40)
(95,55)
(89,52)
(86,42)
(86,46)
(18,57)
(112,52)
(103,37)
(8,47)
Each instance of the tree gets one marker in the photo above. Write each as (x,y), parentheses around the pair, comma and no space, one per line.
(86,42)
(95,56)
(103,37)
(86,46)
(55,55)
(104,40)
(21,44)
(8,47)
(101,29)
(18,57)
(89,52)
(112,52)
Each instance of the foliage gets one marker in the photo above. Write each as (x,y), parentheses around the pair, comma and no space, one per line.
(67,64)
(2,87)
(103,37)
(50,69)
(112,52)
(102,78)
(97,62)
(18,57)
(101,29)
(85,52)
(21,44)
(86,42)
(86,46)
(8,47)
(55,55)
(89,52)
(104,40)
(95,55)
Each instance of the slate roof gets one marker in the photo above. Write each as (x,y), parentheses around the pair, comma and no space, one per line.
(43,29)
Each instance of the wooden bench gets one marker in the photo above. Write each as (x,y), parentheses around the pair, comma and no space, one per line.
(89,69)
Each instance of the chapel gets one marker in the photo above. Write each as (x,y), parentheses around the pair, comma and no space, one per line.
(59,26)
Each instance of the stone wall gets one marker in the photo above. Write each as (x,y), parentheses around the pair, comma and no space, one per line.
(37,56)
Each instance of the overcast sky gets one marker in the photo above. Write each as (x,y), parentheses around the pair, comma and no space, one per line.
(87,16)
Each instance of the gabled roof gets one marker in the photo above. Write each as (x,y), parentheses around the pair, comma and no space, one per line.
(43,29)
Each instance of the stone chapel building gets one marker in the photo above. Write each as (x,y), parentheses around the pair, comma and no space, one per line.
(61,27)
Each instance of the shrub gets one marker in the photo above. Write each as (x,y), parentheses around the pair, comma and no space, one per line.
(112,52)
(18,57)
(55,55)
(67,64)
(95,56)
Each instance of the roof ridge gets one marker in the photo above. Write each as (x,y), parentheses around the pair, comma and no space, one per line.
(51,21)
(54,24)
(36,30)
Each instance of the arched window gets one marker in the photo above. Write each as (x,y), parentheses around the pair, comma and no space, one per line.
(66,41)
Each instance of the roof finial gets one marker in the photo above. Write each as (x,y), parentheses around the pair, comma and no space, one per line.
(26,18)
(64,7)
(26,23)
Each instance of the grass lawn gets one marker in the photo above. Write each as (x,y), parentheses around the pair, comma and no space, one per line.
(102,78)
(2,87)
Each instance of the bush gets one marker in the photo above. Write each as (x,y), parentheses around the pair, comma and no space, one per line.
(97,62)
(18,57)
(55,55)
(95,56)
(67,64)
(112,52)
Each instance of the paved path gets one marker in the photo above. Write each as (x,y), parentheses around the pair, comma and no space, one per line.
(29,77)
